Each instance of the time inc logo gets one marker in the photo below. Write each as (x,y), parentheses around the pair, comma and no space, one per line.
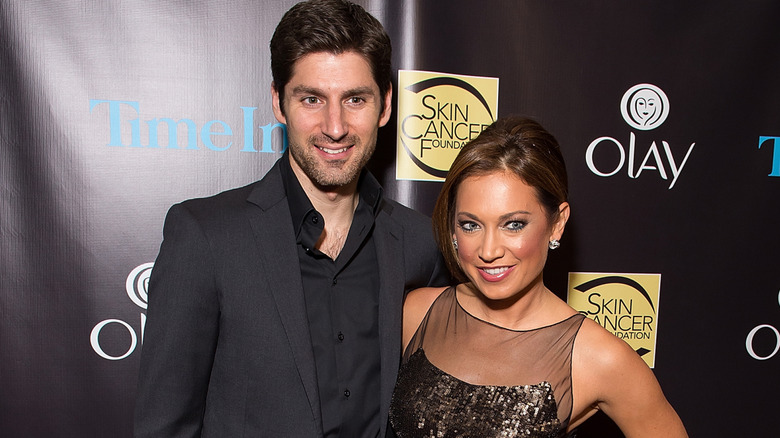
(205,135)
(644,107)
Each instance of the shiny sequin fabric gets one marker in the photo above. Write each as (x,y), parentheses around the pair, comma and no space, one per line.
(440,405)
(464,377)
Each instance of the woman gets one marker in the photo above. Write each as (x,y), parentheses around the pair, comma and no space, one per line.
(500,354)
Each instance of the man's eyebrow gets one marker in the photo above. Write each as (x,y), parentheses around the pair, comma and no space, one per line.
(303,89)
(358,91)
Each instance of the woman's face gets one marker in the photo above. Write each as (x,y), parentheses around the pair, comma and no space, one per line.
(502,232)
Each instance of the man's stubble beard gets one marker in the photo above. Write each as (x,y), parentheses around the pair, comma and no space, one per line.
(336,173)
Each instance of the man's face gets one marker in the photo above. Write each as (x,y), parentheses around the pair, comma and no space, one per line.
(333,110)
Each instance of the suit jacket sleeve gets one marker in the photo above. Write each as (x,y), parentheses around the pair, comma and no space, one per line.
(440,276)
(422,250)
(181,332)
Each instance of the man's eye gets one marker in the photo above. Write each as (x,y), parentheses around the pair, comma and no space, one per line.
(311,100)
(356,100)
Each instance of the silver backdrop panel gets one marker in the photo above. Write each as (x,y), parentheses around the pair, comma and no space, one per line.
(89,168)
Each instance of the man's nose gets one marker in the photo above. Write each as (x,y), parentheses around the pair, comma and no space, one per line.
(335,124)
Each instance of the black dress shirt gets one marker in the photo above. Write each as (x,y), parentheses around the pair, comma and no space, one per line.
(342,302)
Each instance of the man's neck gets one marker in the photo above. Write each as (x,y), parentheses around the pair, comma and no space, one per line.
(338,210)
(337,206)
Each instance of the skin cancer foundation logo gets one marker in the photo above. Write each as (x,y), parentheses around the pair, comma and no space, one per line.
(438,113)
(624,304)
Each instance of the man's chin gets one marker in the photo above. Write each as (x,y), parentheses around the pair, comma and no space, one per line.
(331,183)
(330,174)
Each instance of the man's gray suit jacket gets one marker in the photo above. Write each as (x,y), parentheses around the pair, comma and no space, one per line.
(227,351)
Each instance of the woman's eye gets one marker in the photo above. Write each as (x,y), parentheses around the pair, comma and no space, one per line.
(468,226)
(515,225)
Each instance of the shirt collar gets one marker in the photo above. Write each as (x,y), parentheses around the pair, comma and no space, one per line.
(369,189)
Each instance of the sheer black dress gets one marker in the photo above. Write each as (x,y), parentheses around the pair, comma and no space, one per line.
(464,377)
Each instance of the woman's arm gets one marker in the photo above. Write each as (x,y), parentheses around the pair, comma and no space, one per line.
(609,375)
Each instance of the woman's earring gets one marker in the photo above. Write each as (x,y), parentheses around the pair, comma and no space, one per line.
(455,244)
(554,244)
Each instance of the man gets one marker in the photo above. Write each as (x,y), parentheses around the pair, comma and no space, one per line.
(275,309)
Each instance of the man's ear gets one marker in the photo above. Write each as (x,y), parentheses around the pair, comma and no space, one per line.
(387,108)
(277,105)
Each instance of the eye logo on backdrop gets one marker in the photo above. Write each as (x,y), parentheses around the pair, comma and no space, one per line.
(624,304)
(644,107)
(116,338)
(438,113)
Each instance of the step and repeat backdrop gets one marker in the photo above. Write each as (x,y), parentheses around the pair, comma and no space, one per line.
(668,114)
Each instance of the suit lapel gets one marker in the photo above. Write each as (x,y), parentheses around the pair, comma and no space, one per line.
(273,230)
(388,236)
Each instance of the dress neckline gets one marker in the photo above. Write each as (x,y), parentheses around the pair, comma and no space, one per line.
(476,318)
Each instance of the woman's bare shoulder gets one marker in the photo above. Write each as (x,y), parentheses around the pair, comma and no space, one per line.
(602,349)
(416,305)
(423,297)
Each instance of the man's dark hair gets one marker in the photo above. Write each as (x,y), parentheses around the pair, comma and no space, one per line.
(334,26)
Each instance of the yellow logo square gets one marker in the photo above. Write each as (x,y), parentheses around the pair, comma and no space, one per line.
(624,304)
(438,113)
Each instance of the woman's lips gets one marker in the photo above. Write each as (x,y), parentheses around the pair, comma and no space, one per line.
(495,273)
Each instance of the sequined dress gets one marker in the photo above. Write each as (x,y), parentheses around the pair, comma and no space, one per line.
(464,377)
